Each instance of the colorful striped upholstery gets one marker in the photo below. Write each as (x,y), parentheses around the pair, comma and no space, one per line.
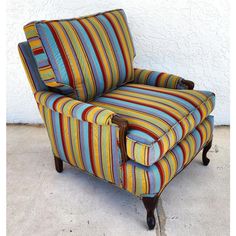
(81,73)
(73,108)
(91,147)
(148,181)
(89,55)
(158,117)
(159,79)
(32,72)
(30,67)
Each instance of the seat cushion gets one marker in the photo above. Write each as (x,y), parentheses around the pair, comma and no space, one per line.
(91,55)
(148,181)
(158,117)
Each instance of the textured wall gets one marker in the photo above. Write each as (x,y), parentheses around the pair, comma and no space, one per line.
(185,37)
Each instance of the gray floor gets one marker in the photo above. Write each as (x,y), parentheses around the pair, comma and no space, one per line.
(42,202)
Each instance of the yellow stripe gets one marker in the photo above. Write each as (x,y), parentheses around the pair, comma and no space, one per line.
(96,154)
(102,53)
(75,143)
(67,139)
(108,47)
(126,31)
(123,43)
(48,121)
(84,63)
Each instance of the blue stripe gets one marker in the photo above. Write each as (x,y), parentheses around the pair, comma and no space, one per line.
(32,66)
(58,135)
(50,46)
(98,76)
(153,78)
(116,47)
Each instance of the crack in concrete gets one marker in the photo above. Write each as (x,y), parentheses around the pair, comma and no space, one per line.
(161,219)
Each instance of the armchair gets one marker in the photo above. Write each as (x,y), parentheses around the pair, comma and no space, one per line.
(134,128)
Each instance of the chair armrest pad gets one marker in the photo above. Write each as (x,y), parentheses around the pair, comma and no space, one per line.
(74,108)
(161,79)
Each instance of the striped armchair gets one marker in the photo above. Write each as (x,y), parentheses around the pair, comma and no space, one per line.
(134,128)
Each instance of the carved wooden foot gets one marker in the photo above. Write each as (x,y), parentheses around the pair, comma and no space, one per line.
(205,160)
(150,204)
(58,164)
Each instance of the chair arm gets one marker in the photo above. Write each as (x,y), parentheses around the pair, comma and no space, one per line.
(84,112)
(161,79)
(74,108)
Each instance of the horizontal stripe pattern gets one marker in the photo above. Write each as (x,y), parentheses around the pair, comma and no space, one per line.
(90,147)
(148,181)
(91,54)
(158,117)
(159,79)
(69,107)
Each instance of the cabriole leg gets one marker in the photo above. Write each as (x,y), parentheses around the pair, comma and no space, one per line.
(150,204)
(205,160)
(58,164)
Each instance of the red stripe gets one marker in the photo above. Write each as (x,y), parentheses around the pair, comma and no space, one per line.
(161,146)
(158,77)
(38,51)
(85,112)
(161,174)
(184,152)
(148,153)
(133,126)
(63,55)
(55,103)
(100,148)
(201,134)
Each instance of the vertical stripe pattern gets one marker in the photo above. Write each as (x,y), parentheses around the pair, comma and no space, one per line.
(91,55)
(148,181)
(91,147)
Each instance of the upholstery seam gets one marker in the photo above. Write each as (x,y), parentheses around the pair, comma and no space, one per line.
(184,118)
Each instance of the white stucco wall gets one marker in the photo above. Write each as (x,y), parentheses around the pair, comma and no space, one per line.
(185,37)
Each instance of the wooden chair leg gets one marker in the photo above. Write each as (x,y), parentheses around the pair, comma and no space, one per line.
(205,160)
(58,164)
(150,204)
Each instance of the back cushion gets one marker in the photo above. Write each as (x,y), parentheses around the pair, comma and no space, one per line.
(89,55)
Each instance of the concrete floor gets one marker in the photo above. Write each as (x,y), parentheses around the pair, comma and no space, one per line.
(42,202)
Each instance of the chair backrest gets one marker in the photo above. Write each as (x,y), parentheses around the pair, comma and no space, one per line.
(90,55)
